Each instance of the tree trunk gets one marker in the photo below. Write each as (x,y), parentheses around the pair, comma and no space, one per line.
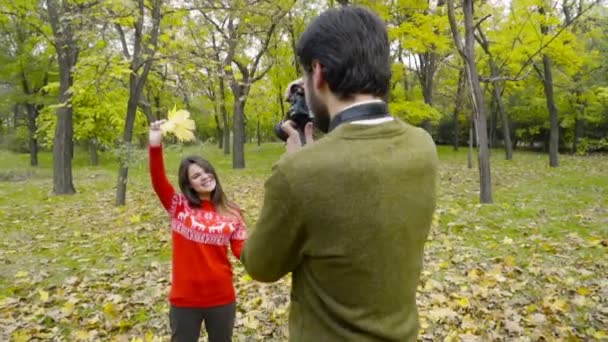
(497,91)
(485,178)
(32,114)
(93,152)
(259,133)
(67,55)
(492,137)
(238,139)
(142,50)
(223,112)
(15,117)
(428,66)
(123,171)
(157,104)
(218,128)
(281,102)
(470,153)
(467,52)
(62,153)
(554,132)
(458,108)
(579,127)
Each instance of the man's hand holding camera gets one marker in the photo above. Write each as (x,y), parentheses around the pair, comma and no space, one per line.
(294,142)
(297,128)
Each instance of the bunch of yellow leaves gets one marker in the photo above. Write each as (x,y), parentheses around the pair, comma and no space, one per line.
(180,124)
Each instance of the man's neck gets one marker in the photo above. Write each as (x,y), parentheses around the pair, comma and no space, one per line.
(337,106)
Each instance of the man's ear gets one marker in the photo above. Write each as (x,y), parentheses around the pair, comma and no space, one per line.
(317,75)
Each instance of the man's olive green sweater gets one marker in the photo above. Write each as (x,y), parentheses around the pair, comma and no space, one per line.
(349,216)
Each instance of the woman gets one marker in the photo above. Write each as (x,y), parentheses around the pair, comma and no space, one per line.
(203,224)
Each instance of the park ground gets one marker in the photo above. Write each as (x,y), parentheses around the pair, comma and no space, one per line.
(532,266)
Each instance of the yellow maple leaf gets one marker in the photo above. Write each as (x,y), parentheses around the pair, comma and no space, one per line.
(509,261)
(21,336)
(583,291)
(180,124)
(81,335)
(21,274)
(68,308)
(600,335)
(44,296)
(463,302)
(109,309)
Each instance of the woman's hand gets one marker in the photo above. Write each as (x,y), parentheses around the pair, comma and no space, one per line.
(156,135)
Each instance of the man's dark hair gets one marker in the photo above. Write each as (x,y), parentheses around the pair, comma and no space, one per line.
(351,43)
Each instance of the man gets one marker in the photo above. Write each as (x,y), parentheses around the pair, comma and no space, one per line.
(349,214)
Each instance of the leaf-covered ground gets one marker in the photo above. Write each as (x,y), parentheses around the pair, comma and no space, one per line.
(531,267)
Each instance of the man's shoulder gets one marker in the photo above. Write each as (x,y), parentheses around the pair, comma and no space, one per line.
(306,160)
(418,137)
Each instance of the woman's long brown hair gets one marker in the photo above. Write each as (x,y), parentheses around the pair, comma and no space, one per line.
(218,197)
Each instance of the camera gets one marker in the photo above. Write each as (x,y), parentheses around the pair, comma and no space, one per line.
(298,113)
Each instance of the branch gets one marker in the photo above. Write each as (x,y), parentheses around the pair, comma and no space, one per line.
(217,26)
(263,73)
(123,40)
(561,29)
(243,69)
(504,78)
(264,47)
(477,26)
(483,41)
(156,18)
(540,73)
(51,41)
(454,28)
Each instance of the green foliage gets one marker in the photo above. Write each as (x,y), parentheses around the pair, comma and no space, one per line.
(414,112)
(186,70)
(16,141)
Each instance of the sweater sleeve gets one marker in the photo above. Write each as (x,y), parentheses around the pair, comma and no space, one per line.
(164,190)
(274,247)
(237,239)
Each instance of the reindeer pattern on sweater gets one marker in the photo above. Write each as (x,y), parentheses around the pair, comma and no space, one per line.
(204,226)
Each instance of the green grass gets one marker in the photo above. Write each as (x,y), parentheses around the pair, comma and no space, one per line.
(534,260)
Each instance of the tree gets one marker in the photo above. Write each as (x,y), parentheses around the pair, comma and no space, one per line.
(30,61)
(497,92)
(247,36)
(547,78)
(61,17)
(467,53)
(145,45)
(458,104)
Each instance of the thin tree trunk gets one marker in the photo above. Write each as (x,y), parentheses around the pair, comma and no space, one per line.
(32,113)
(224,113)
(467,52)
(553,116)
(458,108)
(15,117)
(157,104)
(93,152)
(218,128)
(258,133)
(137,80)
(470,153)
(497,91)
(492,138)
(499,109)
(123,171)
(428,66)
(579,127)
(238,150)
